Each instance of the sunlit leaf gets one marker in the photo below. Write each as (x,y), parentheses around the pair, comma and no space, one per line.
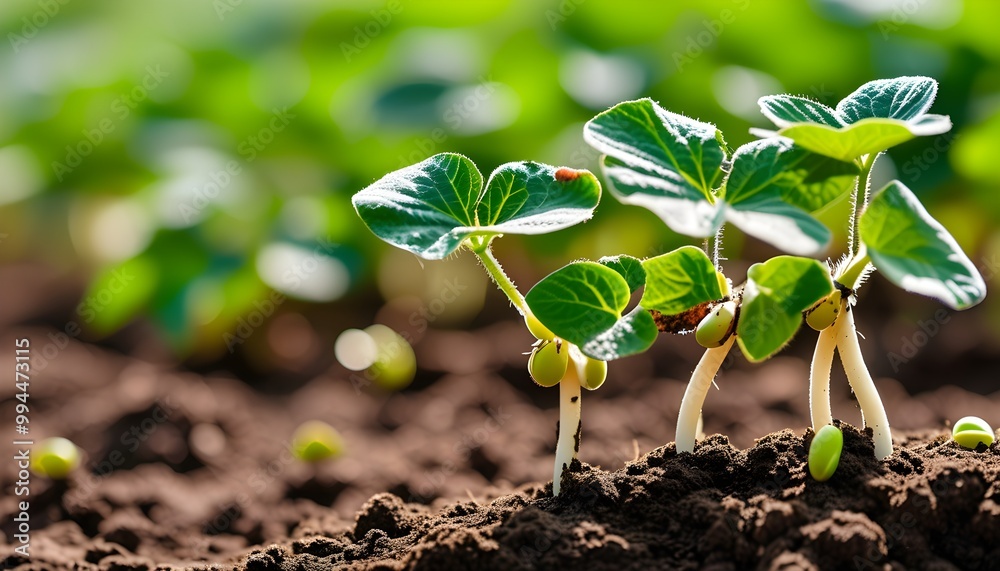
(662,161)
(628,267)
(774,185)
(431,207)
(915,251)
(878,115)
(680,280)
(776,293)
(583,303)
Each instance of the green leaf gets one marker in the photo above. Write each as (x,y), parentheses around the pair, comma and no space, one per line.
(427,208)
(776,293)
(534,198)
(684,209)
(777,167)
(583,303)
(780,224)
(680,280)
(431,207)
(878,115)
(902,98)
(785,110)
(915,251)
(774,184)
(627,267)
(662,161)
(862,138)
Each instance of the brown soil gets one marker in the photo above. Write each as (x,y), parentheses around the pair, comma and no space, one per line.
(187,470)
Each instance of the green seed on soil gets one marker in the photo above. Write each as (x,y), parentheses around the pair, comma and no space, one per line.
(717,326)
(316,440)
(824,452)
(969,431)
(595,372)
(548,363)
(55,458)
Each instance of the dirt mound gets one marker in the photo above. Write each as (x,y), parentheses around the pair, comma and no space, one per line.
(930,506)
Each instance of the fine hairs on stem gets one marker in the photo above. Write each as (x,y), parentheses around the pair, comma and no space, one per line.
(694,394)
(568,443)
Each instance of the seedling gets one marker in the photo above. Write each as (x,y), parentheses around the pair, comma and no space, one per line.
(824,452)
(890,230)
(316,440)
(971,431)
(55,458)
(680,169)
(440,206)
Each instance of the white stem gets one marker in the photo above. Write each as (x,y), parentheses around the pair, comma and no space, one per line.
(819,377)
(694,395)
(862,384)
(568,443)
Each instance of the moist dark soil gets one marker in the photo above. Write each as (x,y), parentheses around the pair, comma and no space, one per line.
(191,470)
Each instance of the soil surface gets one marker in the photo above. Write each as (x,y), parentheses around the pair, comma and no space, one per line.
(190,469)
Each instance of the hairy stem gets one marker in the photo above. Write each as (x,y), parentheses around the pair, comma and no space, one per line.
(851,275)
(819,377)
(485,254)
(694,394)
(859,199)
(862,383)
(568,443)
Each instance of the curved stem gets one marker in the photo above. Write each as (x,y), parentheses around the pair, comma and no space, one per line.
(485,254)
(568,442)
(862,384)
(694,394)
(859,199)
(820,410)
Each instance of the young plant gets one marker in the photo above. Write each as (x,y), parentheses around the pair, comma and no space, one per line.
(584,306)
(681,170)
(890,231)
(440,205)
(971,431)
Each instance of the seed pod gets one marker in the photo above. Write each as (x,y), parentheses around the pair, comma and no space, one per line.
(548,363)
(824,313)
(824,452)
(537,329)
(716,327)
(595,372)
(971,430)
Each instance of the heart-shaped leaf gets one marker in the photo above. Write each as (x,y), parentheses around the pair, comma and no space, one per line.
(774,185)
(878,115)
(776,293)
(915,251)
(583,303)
(431,207)
(681,280)
(662,161)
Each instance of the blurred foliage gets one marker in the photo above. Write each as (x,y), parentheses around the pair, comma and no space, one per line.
(204,153)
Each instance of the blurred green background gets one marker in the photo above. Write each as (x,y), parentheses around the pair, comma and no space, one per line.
(189,164)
